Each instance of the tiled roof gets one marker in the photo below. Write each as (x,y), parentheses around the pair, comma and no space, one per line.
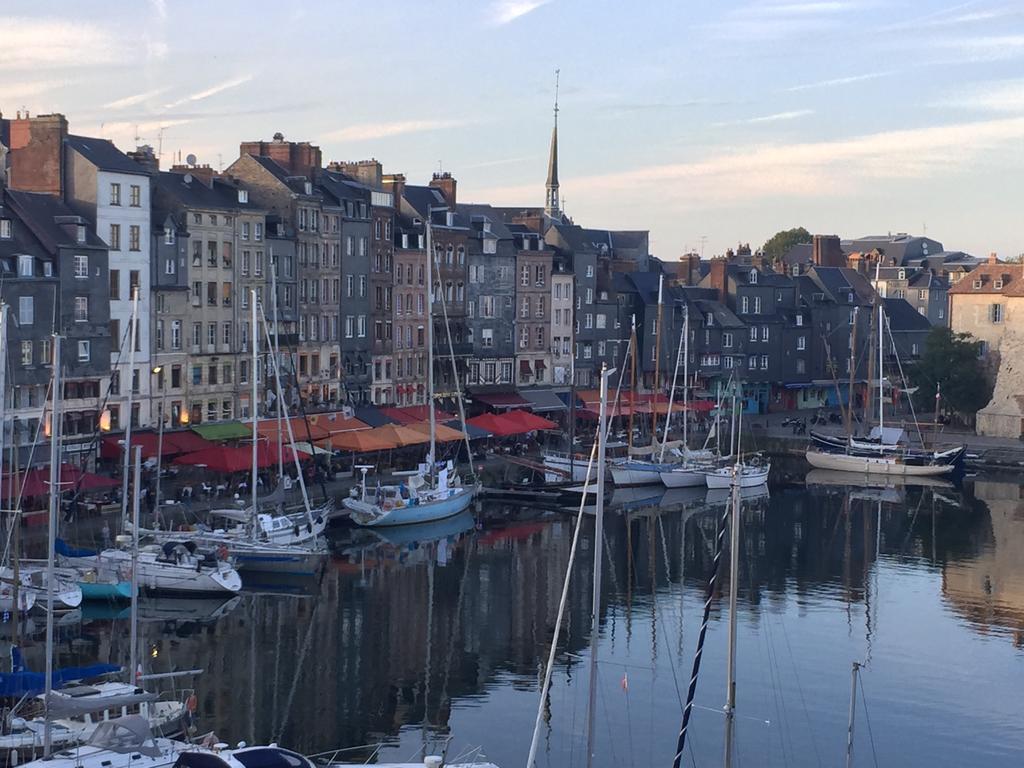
(984,278)
(903,317)
(104,155)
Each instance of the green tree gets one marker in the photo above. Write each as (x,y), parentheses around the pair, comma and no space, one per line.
(779,243)
(950,363)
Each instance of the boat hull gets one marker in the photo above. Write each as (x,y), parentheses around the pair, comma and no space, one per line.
(575,469)
(637,473)
(683,477)
(750,477)
(369,515)
(874,465)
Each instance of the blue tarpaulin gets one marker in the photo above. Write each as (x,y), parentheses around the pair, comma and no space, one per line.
(61,547)
(22,683)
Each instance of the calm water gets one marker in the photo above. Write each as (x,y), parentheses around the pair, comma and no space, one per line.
(407,641)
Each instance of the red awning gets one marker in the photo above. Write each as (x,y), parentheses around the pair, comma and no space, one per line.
(524,367)
(529,421)
(225,459)
(181,441)
(504,400)
(36,482)
(498,425)
(539,365)
(413,414)
(185,441)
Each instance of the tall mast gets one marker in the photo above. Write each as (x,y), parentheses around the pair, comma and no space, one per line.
(430,348)
(255,411)
(3,398)
(686,375)
(276,352)
(133,651)
(595,608)
(51,579)
(131,389)
(657,363)
(853,373)
(632,381)
(671,396)
(734,571)
(881,371)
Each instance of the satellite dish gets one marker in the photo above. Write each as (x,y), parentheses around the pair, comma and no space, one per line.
(190,159)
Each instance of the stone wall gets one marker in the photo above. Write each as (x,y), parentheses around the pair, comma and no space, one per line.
(1004,415)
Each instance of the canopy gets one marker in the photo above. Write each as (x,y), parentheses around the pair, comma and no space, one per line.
(372,416)
(185,440)
(503,400)
(500,425)
(363,441)
(300,429)
(530,421)
(475,432)
(401,436)
(173,443)
(22,683)
(313,450)
(411,414)
(223,430)
(442,433)
(36,482)
(544,400)
(337,421)
(225,459)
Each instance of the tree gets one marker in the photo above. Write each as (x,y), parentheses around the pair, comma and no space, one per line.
(780,243)
(950,363)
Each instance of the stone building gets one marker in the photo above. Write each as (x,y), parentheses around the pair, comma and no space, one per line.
(490,297)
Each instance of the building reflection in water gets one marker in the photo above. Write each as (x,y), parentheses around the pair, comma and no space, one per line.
(399,627)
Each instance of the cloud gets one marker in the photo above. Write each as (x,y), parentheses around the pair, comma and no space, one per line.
(131,101)
(808,170)
(981,48)
(52,43)
(211,91)
(507,11)
(370,131)
(839,81)
(773,21)
(18,90)
(1005,96)
(778,117)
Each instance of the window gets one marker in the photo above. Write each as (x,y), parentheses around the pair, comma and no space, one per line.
(115,194)
(752,362)
(135,196)
(801,343)
(602,321)
(361,326)
(590,270)
(84,351)
(588,321)
(169,266)
(81,309)
(115,331)
(115,237)
(45,353)
(801,365)
(134,237)
(996,313)
(257,232)
(5,229)
(745,305)
(539,273)
(197,334)
(757,304)
(81,267)
(726,339)
(922,295)
(799,320)
(176,334)
(753,277)
(26,353)
(764,333)
(764,362)
(590,295)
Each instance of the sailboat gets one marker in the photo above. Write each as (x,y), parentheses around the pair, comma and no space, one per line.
(880,453)
(429,493)
(742,473)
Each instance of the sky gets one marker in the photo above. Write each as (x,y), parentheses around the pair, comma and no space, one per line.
(709,124)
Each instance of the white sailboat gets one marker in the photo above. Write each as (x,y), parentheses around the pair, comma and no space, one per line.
(430,493)
(742,473)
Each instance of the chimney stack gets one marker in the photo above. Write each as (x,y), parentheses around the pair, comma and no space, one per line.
(826,251)
(36,159)
(446,183)
(719,277)
(203,173)
(992,258)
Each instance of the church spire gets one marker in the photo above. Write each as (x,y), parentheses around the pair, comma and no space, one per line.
(551,204)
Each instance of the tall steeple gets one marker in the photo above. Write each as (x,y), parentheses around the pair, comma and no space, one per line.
(551,204)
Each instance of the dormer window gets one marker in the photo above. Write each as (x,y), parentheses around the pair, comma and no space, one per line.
(81,233)
(6,231)
(309,187)
(450,218)
(243,196)
(977,285)
(26,267)
(753,277)
(709,320)
(169,236)
(902,274)
(998,285)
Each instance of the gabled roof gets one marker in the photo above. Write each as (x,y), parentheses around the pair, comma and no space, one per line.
(39,212)
(420,198)
(800,253)
(195,193)
(903,317)
(104,155)
(722,314)
(1011,277)
(472,213)
(741,274)
(838,280)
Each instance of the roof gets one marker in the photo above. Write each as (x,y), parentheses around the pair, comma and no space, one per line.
(1010,275)
(40,211)
(899,247)
(801,253)
(722,314)
(834,280)
(104,155)
(499,229)
(419,198)
(741,274)
(191,192)
(903,317)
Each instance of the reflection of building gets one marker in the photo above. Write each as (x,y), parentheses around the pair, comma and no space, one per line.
(988,589)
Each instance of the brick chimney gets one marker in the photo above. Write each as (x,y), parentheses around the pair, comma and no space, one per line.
(993,258)
(36,159)
(826,251)
(203,173)
(395,182)
(719,278)
(446,183)
(298,158)
(145,157)
(369,172)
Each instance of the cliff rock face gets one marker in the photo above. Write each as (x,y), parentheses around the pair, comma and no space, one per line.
(1004,415)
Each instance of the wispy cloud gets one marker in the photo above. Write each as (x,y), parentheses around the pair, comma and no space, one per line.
(777,117)
(131,101)
(211,91)
(507,11)
(773,21)
(798,170)
(53,43)
(1006,96)
(370,131)
(979,48)
(14,91)
(840,81)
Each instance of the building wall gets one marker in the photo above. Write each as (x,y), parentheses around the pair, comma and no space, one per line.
(491,297)
(561,327)
(356,328)
(533,317)
(409,320)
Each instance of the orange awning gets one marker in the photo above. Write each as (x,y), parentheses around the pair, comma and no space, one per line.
(401,436)
(269,428)
(362,441)
(443,433)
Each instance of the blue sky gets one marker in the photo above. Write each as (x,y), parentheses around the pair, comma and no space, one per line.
(723,120)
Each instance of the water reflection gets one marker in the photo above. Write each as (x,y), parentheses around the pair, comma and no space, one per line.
(411,635)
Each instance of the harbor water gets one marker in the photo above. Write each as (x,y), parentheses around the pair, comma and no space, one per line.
(416,638)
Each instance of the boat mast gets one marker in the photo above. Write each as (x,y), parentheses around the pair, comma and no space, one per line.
(255,411)
(595,617)
(131,390)
(853,712)
(133,651)
(671,397)
(276,352)
(881,374)
(431,456)
(853,373)
(686,375)
(734,577)
(12,478)
(632,383)
(657,363)
(51,579)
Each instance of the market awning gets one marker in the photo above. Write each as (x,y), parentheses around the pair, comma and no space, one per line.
(227,459)
(301,429)
(500,425)
(360,441)
(401,436)
(474,431)
(504,399)
(531,422)
(36,482)
(442,433)
(543,400)
(112,446)
(185,440)
(412,414)
(223,430)
(368,414)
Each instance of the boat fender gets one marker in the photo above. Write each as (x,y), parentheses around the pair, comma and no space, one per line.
(191,703)
(222,552)
(309,527)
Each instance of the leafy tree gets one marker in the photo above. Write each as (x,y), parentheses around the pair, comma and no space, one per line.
(950,362)
(779,243)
